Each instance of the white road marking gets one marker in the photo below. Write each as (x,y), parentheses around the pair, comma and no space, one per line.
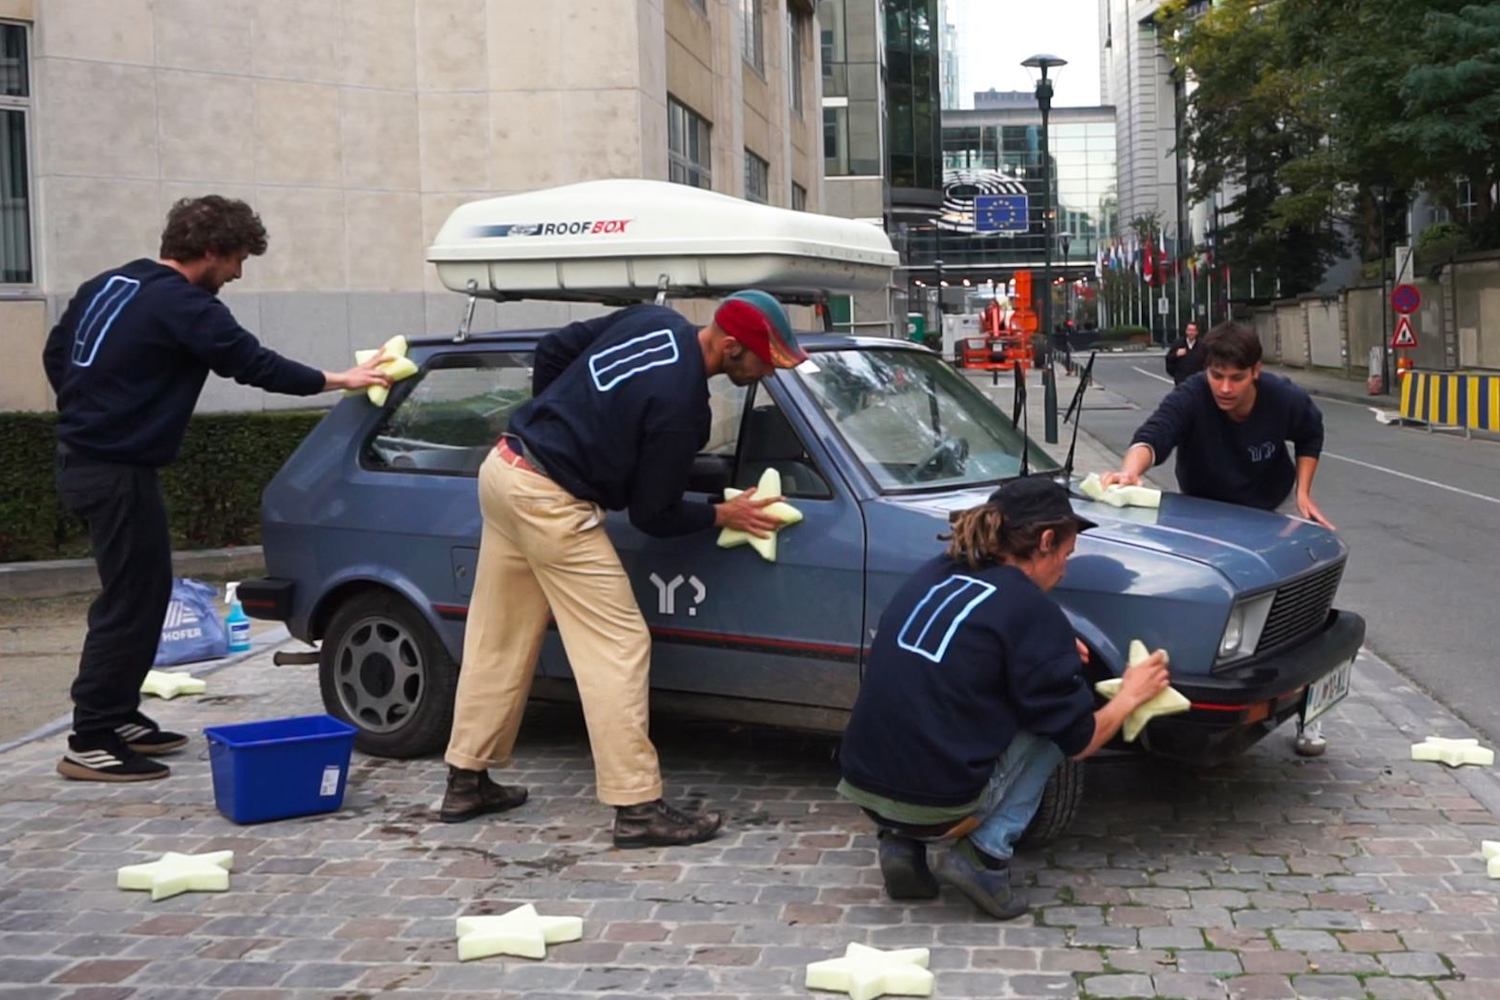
(1159,378)
(1370,465)
(1415,479)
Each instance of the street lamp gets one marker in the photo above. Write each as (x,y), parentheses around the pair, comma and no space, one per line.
(1042,63)
(1383,192)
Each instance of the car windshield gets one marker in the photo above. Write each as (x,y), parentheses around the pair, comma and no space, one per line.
(915,422)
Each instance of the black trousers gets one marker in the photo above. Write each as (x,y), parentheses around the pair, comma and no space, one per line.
(132,547)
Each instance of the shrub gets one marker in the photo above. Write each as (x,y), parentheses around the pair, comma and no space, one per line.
(213,491)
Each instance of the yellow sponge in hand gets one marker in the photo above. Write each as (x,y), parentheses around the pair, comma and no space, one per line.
(1117,495)
(769,486)
(396,366)
(1169,702)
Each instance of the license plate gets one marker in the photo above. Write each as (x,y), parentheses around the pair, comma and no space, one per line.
(1327,692)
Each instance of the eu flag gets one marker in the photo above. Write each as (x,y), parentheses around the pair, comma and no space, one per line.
(1001,213)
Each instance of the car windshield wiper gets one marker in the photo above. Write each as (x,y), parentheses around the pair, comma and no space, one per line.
(1075,414)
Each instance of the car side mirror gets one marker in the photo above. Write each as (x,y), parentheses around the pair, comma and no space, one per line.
(710,474)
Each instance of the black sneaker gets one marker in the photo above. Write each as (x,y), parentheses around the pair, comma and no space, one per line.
(474,793)
(107,758)
(903,866)
(656,824)
(143,735)
(987,888)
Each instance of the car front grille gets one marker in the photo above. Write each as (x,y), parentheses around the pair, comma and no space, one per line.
(1299,608)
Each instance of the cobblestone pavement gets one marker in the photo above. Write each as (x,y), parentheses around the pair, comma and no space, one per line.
(1355,875)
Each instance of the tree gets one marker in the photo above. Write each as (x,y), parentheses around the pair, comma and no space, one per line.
(1256,129)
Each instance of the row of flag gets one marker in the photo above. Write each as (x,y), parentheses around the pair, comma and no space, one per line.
(1151,262)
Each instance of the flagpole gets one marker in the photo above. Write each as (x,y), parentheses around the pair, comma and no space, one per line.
(1177,286)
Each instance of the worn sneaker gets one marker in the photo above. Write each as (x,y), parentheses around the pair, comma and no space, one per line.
(903,866)
(107,758)
(143,735)
(987,888)
(657,824)
(475,793)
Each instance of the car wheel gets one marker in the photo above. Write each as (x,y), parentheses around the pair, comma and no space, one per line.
(384,671)
(1059,804)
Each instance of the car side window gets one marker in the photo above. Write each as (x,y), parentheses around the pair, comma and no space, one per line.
(726,404)
(768,441)
(449,420)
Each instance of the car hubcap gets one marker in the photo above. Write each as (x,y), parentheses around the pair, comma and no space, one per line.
(378,669)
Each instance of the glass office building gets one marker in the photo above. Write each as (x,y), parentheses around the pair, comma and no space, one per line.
(998,152)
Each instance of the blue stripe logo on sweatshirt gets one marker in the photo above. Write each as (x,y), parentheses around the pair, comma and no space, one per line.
(935,620)
(639,354)
(100,315)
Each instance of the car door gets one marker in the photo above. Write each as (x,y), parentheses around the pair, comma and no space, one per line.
(420,467)
(726,622)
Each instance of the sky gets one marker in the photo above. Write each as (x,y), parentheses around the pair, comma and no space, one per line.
(995,35)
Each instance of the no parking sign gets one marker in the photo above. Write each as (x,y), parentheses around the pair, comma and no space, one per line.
(1406,299)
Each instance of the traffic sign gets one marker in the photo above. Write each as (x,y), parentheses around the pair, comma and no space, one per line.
(1163,305)
(1001,213)
(1404,336)
(1406,299)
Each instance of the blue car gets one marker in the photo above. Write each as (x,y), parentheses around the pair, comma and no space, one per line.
(371,532)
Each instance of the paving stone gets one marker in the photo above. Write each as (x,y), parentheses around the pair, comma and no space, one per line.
(1332,987)
(1119,986)
(1299,940)
(1211,962)
(1414,963)
(1385,988)
(1189,986)
(1171,937)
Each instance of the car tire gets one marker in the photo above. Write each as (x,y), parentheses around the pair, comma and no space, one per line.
(383,670)
(1059,805)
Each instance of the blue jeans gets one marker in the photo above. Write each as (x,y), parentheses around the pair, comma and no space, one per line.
(1014,791)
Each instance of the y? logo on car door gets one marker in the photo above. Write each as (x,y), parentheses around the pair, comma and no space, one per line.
(666,593)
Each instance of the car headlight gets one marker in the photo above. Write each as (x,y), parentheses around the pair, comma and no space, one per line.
(1242,631)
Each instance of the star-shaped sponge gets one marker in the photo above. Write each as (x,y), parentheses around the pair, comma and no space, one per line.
(1491,852)
(522,932)
(865,973)
(1169,702)
(168,684)
(396,367)
(1454,753)
(769,486)
(1117,495)
(176,873)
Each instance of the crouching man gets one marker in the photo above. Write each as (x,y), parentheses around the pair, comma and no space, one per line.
(973,695)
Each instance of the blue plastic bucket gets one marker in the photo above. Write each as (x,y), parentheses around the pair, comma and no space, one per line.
(280,768)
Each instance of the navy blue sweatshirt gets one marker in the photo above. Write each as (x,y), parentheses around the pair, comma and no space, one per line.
(962,661)
(619,410)
(130,356)
(1243,462)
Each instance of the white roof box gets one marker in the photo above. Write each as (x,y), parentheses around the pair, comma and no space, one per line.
(617,239)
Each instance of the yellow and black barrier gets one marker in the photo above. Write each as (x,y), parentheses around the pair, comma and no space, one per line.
(1462,400)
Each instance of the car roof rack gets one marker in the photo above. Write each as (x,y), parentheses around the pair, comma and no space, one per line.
(617,242)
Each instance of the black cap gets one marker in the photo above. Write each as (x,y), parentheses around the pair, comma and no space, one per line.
(1036,500)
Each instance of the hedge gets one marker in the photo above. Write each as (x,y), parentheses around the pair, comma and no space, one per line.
(213,490)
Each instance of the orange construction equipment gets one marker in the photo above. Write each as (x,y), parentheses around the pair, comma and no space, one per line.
(1003,345)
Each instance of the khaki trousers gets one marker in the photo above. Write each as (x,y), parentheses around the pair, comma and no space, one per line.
(544,548)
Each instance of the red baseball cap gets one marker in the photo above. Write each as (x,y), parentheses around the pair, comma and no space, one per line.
(758,321)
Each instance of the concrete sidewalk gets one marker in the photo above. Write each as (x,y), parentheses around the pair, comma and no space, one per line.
(1333,384)
(1354,875)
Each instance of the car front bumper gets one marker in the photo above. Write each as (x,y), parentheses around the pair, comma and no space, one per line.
(1233,709)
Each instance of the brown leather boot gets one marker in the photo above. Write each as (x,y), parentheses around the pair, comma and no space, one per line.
(657,824)
(473,793)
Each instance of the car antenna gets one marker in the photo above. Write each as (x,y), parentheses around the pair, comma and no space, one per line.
(1075,414)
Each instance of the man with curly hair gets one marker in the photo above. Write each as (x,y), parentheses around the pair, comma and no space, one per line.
(127,361)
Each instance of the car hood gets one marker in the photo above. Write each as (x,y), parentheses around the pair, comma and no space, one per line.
(1252,548)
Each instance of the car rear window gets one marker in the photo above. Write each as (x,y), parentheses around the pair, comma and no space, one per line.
(451,417)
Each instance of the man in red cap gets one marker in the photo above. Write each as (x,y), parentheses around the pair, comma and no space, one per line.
(619,410)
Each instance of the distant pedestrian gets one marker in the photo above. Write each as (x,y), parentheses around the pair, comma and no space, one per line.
(974,693)
(127,362)
(1229,425)
(620,408)
(1185,355)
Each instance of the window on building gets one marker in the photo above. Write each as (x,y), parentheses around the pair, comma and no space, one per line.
(15,174)
(757,178)
(687,146)
(799,198)
(1464,200)
(795,42)
(753,13)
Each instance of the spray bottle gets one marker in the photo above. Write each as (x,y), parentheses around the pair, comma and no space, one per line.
(237,623)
